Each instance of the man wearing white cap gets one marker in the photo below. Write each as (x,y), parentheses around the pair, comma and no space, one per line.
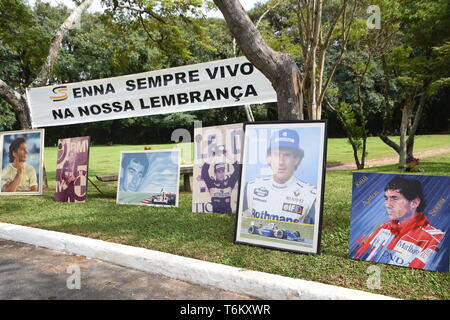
(281,196)
(221,187)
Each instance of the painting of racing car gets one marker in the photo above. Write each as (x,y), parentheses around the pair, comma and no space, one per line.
(272,230)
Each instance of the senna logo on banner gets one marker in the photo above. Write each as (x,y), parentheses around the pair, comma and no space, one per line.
(60,94)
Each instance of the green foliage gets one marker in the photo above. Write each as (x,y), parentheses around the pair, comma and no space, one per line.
(279,26)
(25,36)
(441,58)
(425,23)
(170,25)
(7,117)
(217,45)
(99,50)
(424,54)
(351,122)
(359,88)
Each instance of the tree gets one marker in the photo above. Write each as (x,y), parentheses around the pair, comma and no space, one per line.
(279,67)
(317,34)
(319,28)
(419,66)
(15,96)
(7,116)
(356,93)
(170,26)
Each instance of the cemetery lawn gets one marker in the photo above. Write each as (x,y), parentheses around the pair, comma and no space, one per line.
(340,151)
(105,159)
(209,237)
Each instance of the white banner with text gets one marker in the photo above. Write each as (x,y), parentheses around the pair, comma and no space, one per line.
(215,84)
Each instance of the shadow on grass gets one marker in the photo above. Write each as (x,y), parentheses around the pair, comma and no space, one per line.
(334,164)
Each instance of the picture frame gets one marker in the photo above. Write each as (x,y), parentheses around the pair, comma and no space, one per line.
(401,219)
(25,147)
(72,169)
(280,201)
(149,178)
(217,167)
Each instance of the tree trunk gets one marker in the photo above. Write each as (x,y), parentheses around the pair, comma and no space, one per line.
(19,104)
(315,29)
(406,114)
(55,45)
(409,150)
(363,154)
(359,164)
(355,154)
(249,113)
(288,85)
(280,68)
(415,125)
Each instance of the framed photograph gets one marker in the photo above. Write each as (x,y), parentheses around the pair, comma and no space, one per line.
(22,162)
(149,178)
(217,168)
(401,220)
(282,182)
(72,169)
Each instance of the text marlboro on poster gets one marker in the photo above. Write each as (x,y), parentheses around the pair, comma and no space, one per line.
(216,84)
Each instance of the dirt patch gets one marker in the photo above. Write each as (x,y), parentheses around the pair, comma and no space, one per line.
(387,160)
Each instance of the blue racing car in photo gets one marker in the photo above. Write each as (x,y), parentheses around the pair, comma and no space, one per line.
(272,230)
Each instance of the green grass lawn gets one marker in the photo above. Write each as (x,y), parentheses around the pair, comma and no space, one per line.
(105,159)
(210,236)
(339,150)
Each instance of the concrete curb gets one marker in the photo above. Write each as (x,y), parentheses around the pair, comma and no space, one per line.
(257,284)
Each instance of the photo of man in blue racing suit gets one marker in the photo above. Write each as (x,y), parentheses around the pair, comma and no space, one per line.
(221,186)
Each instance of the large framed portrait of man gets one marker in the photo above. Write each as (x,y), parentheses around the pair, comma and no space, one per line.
(402,220)
(217,168)
(22,162)
(149,178)
(72,169)
(282,182)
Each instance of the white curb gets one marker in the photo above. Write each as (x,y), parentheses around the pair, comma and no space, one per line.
(257,284)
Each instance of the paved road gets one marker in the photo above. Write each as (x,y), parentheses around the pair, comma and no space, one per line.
(29,272)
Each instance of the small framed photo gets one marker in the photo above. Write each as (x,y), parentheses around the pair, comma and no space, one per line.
(72,169)
(282,183)
(22,162)
(149,178)
(401,220)
(217,168)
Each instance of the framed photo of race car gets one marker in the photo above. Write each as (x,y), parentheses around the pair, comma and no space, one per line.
(149,178)
(280,199)
(401,220)
(22,159)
